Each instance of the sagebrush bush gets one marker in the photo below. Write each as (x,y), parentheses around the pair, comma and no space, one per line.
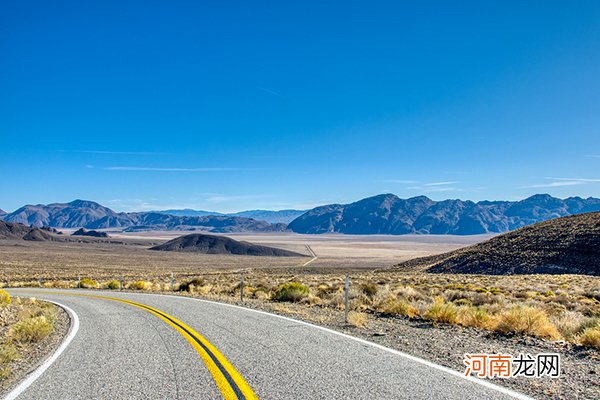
(5,298)
(292,291)
(140,285)
(88,283)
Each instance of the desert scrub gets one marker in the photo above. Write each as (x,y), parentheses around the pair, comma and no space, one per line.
(140,285)
(292,292)
(188,286)
(400,307)
(440,311)
(88,283)
(591,337)
(5,299)
(357,319)
(113,285)
(31,330)
(527,320)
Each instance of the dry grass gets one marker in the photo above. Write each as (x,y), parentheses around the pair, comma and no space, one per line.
(357,319)
(24,323)
(591,337)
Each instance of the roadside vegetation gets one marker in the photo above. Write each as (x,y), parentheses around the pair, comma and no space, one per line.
(24,323)
(551,307)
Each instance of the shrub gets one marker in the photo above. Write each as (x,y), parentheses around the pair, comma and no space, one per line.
(527,320)
(189,285)
(5,298)
(369,289)
(114,285)
(590,337)
(442,312)
(475,317)
(88,283)
(140,285)
(292,291)
(30,330)
(401,308)
(357,319)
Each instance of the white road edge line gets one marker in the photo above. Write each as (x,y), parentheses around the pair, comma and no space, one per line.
(32,377)
(430,364)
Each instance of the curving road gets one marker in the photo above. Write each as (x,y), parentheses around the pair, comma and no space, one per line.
(144,346)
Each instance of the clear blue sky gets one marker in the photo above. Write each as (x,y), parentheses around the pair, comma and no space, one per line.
(236,105)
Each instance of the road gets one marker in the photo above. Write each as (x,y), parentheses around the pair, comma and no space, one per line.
(168,347)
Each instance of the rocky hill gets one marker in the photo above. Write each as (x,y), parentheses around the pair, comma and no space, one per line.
(91,215)
(212,244)
(16,231)
(567,245)
(389,214)
(85,232)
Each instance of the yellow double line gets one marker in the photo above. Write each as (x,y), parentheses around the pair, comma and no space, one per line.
(229,381)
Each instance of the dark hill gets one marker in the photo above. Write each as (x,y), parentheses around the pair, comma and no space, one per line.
(84,232)
(10,230)
(567,245)
(389,214)
(212,244)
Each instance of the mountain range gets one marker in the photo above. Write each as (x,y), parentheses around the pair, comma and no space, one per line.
(91,215)
(389,214)
(381,214)
(566,245)
(272,217)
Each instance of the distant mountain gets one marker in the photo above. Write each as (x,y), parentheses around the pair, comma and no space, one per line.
(272,217)
(211,223)
(188,212)
(2,212)
(389,214)
(91,215)
(212,244)
(78,213)
(566,245)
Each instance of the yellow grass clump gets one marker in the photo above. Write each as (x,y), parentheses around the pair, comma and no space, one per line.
(5,299)
(140,285)
(527,320)
(357,319)
(591,337)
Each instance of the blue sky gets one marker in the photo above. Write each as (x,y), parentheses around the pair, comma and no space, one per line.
(238,105)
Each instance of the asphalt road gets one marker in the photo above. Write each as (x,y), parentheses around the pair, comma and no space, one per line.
(126,351)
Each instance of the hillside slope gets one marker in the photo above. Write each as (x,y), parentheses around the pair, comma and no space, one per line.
(388,214)
(9,230)
(212,244)
(567,245)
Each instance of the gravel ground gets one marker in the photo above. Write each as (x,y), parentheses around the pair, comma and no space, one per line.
(32,356)
(446,345)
